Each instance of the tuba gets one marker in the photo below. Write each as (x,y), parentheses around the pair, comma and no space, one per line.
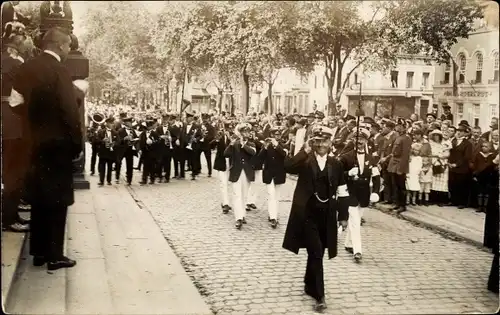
(98,118)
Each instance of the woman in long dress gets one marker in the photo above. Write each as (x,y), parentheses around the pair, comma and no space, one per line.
(440,151)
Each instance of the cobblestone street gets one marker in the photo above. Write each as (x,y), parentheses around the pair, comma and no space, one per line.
(405,269)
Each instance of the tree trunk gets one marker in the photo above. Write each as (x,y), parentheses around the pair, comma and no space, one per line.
(336,100)
(331,99)
(245,91)
(270,98)
(219,92)
(166,97)
(455,81)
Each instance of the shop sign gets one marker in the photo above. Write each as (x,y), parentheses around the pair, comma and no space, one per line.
(469,94)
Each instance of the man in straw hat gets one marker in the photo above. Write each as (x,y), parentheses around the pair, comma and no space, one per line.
(361,169)
(319,197)
(240,152)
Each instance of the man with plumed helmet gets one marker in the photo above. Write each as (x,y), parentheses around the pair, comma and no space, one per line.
(240,152)
(362,172)
(320,196)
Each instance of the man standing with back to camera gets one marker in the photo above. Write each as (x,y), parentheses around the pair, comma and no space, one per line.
(43,90)
(321,193)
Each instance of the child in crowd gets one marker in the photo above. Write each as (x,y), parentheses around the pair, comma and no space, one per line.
(425,181)
(413,176)
(482,168)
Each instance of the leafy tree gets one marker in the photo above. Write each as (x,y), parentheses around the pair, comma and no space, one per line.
(331,33)
(434,26)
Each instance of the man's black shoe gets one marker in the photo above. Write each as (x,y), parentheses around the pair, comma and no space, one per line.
(63,262)
(38,261)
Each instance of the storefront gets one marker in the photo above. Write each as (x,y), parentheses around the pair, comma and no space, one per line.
(374,105)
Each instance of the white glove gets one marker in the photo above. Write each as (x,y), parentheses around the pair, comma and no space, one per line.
(177,142)
(354,171)
(82,85)
(149,141)
(374,197)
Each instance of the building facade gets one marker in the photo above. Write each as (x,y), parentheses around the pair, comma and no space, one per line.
(402,91)
(477,78)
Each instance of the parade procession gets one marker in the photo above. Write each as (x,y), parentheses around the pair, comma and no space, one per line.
(204,159)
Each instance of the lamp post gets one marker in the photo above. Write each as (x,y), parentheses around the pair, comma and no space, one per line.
(53,15)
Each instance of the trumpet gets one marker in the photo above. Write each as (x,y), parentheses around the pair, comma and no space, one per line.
(108,144)
(191,141)
(168,139)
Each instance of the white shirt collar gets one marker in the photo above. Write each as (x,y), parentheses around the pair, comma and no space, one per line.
(50,52)
(321,160)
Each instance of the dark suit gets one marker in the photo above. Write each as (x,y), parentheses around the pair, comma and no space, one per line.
(491,229)
(273,159)
(309,225)
(56,139)
(386,150)
(399,166)
(205,146)
(220,160)
(15,151)
(166,152)
(192,157)
(107,156)
(150,154)
(448,116)
(128,151)
(178,152)
(240,159)
(359,190)
(459,176)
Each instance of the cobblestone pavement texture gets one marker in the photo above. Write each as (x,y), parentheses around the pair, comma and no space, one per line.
(405,269)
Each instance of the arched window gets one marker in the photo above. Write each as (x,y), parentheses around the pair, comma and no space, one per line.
(479,67)
(495,67)
(462,64)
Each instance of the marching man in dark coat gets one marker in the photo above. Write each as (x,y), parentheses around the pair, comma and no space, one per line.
(240,152)
(148,141)
(273,156)
(221,142)
(166,149)
(320,195)
(127,138)
(361,169)
(107,139)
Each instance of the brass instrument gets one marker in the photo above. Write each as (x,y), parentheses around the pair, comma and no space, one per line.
(98,118)
(108,143)
(168,139)
(191,140)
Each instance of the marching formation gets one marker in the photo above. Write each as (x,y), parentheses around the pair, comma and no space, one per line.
(344,164)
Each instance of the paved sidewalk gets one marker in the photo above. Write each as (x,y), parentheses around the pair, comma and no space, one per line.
(124,265)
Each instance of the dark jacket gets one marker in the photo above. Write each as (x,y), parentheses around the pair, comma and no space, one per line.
(359,189)
(111,152)
(125,147)
(54,127)
(400,160)
(240,159)
(220,163)
(305,166)
(461,155)
(274,164)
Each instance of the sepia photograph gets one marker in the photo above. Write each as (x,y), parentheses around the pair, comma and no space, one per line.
(250,157)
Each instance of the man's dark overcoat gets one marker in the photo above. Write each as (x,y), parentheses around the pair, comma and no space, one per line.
(54,125)
(304,165)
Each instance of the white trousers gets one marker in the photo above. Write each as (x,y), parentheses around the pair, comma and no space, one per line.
(254,187)
(353,236)
(273,199)
(240,194)
(224,186)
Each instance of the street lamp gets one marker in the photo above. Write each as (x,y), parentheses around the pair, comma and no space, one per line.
(359,110)
(53,15)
